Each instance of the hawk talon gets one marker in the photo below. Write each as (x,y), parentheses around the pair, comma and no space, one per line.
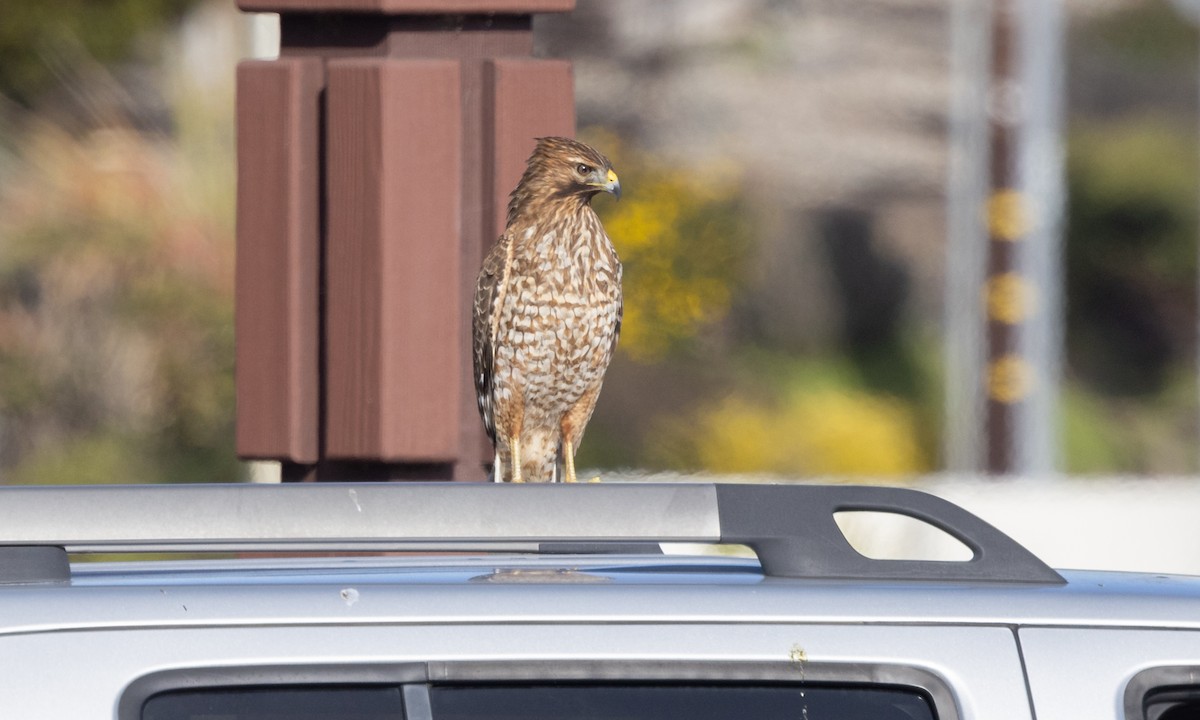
(569,461)
(514,445)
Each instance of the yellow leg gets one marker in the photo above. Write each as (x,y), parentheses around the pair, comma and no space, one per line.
(569,460)
(514,451)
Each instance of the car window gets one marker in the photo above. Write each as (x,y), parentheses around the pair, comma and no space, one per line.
(1163,693)
(1181,711)
(677,702)
(1178,703)
(548,702)
(287,703)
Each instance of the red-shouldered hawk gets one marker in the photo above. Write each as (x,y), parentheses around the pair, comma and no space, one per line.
(547,314)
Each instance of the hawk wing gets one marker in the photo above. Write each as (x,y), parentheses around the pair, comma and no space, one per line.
(483,321)
(612,350)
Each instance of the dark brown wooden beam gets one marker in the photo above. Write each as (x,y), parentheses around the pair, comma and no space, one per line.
(278,259)
(392,260)
(528,98)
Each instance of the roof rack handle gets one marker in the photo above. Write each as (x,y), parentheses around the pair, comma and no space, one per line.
(791,527)
(793,532)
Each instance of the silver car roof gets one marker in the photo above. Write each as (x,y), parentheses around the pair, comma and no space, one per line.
(567,589)
(805,570)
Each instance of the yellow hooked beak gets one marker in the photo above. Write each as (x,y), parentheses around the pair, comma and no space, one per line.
(614,185)
(610,185)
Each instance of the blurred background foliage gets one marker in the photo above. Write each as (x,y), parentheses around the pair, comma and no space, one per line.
(683,239)
(1131,244)
(799,418)
(116,258)
(866,398)
(116,263)
(42,44)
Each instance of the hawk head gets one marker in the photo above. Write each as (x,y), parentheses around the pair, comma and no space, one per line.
(561,169)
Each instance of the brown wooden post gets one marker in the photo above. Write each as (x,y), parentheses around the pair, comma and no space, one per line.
(375,157)
(1003,354)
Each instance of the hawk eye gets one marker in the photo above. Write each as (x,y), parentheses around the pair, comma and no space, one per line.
(582,169)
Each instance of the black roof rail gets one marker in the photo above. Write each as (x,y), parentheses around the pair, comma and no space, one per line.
(33,565)
(792,530)
(790,527)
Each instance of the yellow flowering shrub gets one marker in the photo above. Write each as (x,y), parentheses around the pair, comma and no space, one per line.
(683,239)
(814,431)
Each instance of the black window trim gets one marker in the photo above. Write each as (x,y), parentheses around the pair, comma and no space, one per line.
(1145,682)
(415,677)
(129,707)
